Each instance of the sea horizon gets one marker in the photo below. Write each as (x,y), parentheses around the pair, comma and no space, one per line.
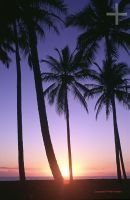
(16,178)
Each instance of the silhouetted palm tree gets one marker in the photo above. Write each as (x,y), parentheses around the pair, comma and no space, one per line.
(65,77)
(30,15)
(13,21)
(37,16)
(19,104)
(110,83)
(96,26)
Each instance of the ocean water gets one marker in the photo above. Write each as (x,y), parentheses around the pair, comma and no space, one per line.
(16,178)
(51,178)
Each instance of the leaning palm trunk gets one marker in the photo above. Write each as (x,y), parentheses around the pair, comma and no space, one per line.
(41,107)
(119,157)
(68,139)
(19,109)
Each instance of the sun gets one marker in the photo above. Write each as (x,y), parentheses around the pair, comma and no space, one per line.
(65,172)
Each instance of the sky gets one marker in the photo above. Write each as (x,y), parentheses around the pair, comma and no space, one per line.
(93,151)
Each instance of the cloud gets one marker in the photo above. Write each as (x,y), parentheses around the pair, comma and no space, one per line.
(4,170)
(16,168)
(8,168)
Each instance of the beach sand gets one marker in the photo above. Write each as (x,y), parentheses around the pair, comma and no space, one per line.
(78,190)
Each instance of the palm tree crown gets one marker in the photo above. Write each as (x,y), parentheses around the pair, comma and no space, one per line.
(65,77)
(96,25)
(111,82)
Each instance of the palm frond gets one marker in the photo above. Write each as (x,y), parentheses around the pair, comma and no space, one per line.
(52,95)
(60,56)
(123,4)
(122,97)
(60,100)
(30,61)
(108,107)
(99,104)
(4,57)
(52,63)
(48,90)
(99,68)
(124,24)
(96,90)
(56,5)
(81,87)
(122,39)
(80,97)
(78,19)
(49,77)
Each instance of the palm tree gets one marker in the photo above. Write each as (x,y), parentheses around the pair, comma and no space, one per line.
(96,26)
(37,15)
(111,89)
(7,38)
(12,21)
(30,15)
(6,47)
(19,105)
(64,77)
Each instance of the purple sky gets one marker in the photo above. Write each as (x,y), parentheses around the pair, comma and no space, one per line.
(93,151)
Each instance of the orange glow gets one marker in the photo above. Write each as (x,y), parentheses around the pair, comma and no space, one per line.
(65,170)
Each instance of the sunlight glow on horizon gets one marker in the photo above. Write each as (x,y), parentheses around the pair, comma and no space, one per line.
(39,172)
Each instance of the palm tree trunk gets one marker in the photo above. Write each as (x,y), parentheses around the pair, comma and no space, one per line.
(19,109)
(68,139)
(118,144)
(116,139)
(41,107)
(108,51)
(121,159)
